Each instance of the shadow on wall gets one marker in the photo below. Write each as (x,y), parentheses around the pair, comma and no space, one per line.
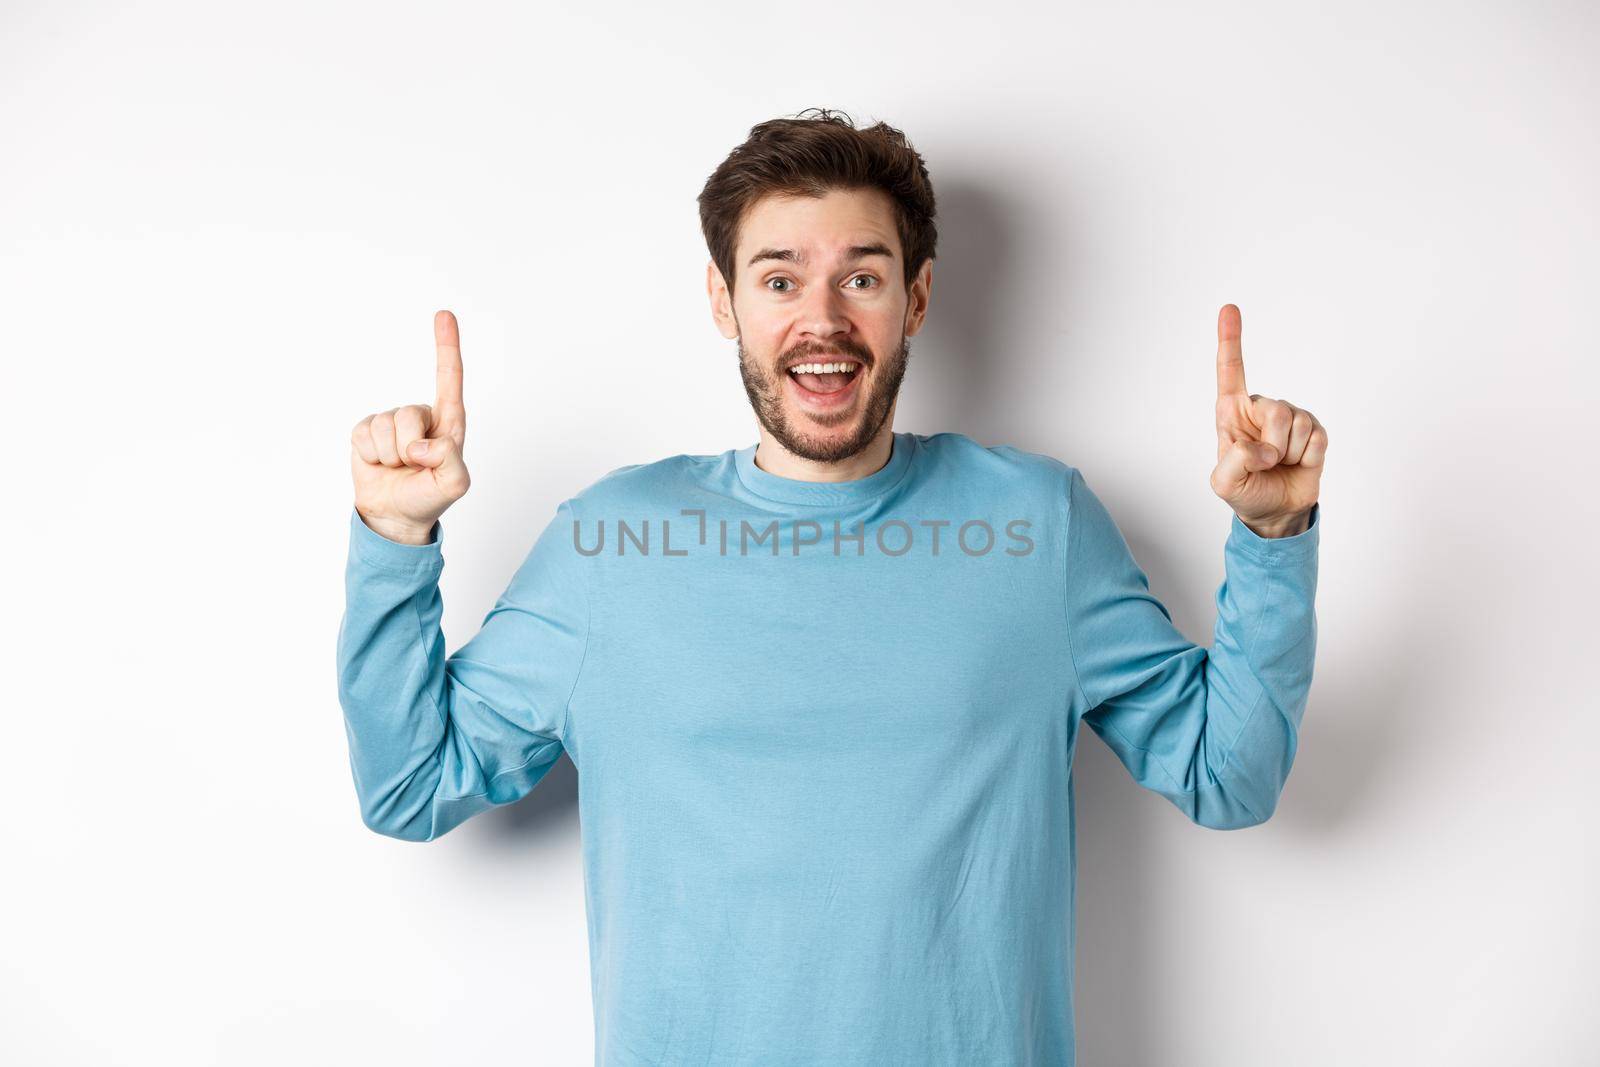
(548,813)
(1356,733)
(971,356)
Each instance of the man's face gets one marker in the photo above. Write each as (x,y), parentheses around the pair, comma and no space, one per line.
(820,281)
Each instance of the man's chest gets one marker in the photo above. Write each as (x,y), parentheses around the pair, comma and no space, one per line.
(762,659)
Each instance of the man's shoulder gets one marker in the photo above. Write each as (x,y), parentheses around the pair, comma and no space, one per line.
(1000,466)
(640,484)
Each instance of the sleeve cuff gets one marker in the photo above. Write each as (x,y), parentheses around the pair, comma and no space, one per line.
(1301,546)
(376,550)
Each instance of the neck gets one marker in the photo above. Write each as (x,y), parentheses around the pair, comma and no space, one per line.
(773,458)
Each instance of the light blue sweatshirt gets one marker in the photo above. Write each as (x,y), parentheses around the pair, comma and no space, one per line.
(823,765)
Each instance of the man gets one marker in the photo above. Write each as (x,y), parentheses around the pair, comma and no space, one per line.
(823,692)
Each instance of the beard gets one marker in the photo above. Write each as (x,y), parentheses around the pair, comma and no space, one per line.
(765,390)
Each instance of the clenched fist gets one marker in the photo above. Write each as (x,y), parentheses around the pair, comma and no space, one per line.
(1269,452)
(407,462)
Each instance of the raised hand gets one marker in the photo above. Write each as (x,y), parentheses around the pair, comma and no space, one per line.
(1269,452)
(407,462)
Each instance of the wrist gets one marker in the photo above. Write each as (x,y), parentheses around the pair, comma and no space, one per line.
(1284,526)
(404,533)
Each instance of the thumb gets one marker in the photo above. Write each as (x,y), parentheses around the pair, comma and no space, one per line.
(443,455)
(1237,463)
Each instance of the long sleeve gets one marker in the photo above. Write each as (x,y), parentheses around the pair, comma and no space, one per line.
(1212,730)
(436,740)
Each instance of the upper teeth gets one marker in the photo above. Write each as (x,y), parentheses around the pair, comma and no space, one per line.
(821,368)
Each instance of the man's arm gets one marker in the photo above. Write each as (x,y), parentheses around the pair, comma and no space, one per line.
(1212,730)
(436,740)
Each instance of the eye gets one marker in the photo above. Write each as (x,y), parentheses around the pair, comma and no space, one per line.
(859,277)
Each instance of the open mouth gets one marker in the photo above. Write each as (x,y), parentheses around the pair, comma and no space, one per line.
(825,382)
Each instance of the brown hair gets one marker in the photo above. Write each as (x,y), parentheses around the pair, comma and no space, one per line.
(803,156)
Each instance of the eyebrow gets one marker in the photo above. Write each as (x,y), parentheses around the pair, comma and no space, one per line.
(852,253)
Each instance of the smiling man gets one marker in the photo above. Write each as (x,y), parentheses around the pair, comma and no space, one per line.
(823,691)
(827,369)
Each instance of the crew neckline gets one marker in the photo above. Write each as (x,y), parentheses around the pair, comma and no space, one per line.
(799,491)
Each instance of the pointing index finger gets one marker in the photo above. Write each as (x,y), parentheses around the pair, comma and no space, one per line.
(449,411)
(1230,353)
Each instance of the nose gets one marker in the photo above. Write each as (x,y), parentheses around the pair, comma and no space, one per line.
(822,314)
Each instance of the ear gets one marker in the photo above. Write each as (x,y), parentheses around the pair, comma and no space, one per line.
(920,293)
(721,301)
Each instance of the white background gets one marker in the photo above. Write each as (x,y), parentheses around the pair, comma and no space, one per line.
(224,232)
